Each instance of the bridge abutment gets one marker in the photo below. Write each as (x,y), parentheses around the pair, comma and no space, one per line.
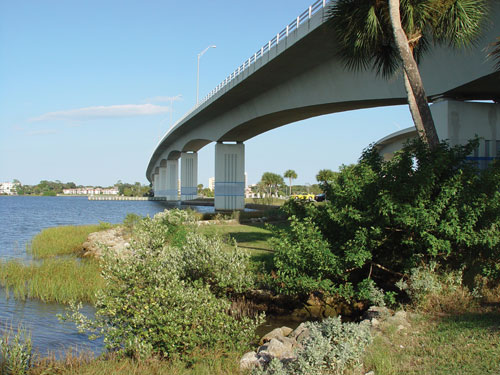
(189,175)
(229,176)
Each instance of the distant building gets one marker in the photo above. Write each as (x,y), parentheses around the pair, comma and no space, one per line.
(211,183)
(91,191)
(9,188)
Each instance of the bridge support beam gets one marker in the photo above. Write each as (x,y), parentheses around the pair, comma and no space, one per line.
(229,176)
(162,179)
(156,184)
(189,175)
(172,180)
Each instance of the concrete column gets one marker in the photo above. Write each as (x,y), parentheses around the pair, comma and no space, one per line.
(229,176)
(156,187)
(189,175)
(459,121)
(172,188)
(162,179)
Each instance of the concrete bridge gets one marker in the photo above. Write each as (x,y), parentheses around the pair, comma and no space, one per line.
(295,76)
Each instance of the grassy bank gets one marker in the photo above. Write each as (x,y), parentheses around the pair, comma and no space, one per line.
(59,275)
(64,240)
(212,363)
(464,343)
(52,280)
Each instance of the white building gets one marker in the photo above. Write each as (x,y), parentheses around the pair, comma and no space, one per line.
(211,183)
(9,188)
(91,191)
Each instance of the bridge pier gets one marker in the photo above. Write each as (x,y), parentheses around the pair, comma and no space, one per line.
(162,179)
(229,176)
(189,175)
(171,187)
(156,185)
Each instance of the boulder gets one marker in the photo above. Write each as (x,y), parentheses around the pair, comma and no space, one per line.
(276,349)
(377,312)
(249,361)
(275,333)
(115,239)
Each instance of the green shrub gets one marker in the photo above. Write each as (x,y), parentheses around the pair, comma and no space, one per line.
(331,348)
(385,218)
(302,259)
(209,260)
(16,352)
(158,300)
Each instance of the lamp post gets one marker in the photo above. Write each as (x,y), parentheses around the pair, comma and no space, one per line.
(198,71)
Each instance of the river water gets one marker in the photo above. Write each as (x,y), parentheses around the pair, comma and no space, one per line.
(23,217)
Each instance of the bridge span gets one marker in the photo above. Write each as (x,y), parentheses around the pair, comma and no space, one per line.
(295,76)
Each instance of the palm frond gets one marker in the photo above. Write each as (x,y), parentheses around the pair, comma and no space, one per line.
(460,21)
(495,53)
(362,33)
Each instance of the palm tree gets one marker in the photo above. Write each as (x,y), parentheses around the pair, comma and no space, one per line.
(496,53)
(388,35)
(272,181)
(291,175)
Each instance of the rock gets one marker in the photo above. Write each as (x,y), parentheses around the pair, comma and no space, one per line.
(297,331)
(286,331)
(370,373)
(249,361)
(376,312)
(300,333)
(276,349)
(114,239)
(275,333)
(375,322)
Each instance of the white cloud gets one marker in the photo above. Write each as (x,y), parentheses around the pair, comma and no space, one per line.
(100,112)
(41,132)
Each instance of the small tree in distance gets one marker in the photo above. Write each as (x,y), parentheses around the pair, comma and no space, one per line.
(325,176)
(291,175)
(271,181)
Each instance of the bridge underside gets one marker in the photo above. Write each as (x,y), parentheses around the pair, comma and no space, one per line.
(302,78)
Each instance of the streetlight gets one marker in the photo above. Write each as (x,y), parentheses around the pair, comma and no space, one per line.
(198,72)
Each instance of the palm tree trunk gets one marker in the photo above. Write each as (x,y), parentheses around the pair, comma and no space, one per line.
(417,99)
(290,186)
(412,104)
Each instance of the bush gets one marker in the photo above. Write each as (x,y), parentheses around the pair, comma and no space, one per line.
(332,347)
(158,300)
(302,259)
(16,352)
(209,260)
(385,218)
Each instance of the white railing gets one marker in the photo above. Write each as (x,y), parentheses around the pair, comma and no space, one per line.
(279,38)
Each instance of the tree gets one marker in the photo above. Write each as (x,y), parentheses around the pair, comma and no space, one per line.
(291,175)
(271,181)
(388,35)
(495,54)
(325,175)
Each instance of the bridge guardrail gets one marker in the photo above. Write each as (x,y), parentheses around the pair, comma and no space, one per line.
(283,34)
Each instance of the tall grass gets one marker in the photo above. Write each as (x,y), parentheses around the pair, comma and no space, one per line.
(64,240)
(212,363)
(52,280)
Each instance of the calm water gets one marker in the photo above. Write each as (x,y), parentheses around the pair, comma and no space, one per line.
(23,217)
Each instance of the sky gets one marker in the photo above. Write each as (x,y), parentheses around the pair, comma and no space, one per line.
(87,88)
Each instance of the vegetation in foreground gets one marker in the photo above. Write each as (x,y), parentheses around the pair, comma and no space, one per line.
(419,229)
(63,240)
(57,274)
